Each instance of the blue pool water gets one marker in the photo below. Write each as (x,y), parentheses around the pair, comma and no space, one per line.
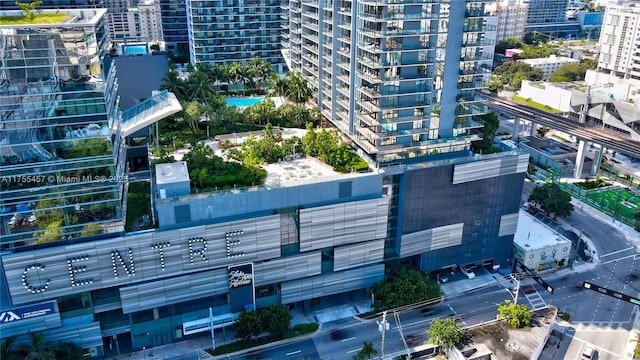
(135,49)
(243,102)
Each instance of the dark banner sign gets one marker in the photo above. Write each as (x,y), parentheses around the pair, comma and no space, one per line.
(241,292)
(27,312)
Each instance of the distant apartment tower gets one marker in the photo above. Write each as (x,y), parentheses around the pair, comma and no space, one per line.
(512,19)
(139,23)
(61,161)
(226,31)
(173,14)
(398,78)
(546,11)
(620,42)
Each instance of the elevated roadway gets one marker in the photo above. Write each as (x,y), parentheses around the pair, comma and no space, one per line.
(604,138)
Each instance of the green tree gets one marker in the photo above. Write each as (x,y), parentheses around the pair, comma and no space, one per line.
(191,114)
(199,86)
(445,333)
(278,86)
(297,89)
(37,349)
(552,200)
(537,51)
(404,286)
(573,71)
(517,315)
(514,72)
(636,353)
(28,9)
(67,351)
(276,319)
(491,124)
(172,82)
(248,325)
(510,43)
(7,350)
(367,352)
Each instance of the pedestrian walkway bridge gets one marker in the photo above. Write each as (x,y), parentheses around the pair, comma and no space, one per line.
(157,107)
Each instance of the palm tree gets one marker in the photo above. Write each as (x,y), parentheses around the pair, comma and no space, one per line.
(367,352)
(261,71)
(172,82)
(199,86)
(297,89)
(7,352)
(37,350)
(233,71)
(277,86)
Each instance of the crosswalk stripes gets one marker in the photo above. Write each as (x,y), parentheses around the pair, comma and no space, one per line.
(536,300)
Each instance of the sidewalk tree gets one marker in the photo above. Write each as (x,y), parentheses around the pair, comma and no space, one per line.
(276,319)
(248,325)
(366,353)
(445,333)
(517,316)
(37,349)
(403,287)
(552,199)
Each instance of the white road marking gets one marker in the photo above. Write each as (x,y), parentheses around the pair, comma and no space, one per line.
(294,352)
(619,251)
(618,259)
(351,338)
(352,351)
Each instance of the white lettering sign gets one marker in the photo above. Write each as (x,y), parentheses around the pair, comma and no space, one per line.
(239,278)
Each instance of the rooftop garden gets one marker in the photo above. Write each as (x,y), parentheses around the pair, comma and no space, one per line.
(209,172)
(29,16)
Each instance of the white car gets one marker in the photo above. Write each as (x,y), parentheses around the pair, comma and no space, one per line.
(588,353)
(468,272)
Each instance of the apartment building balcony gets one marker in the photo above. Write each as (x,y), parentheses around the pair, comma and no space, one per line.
(344,90)
(476,70)
(313,69)
(379,33)
(470,109)
(345,39)
(466,97)
(478,12)
(477,43)
(476,57)
(478,28)
(465,123)
(477,84)
(371,121)
(377,49)
(310,47)
(344,78)
(397,2)
(344,11)
(344,64)
(344,51)
(326,91)
(313,3)
(369,106)
(375,17)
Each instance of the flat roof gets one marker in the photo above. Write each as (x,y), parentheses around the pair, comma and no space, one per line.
(74,17)
(553,59)
(298,169)
(538,236)
(506,342)
(172,173)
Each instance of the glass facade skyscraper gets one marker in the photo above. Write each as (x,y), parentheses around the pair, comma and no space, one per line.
(226,31)
(61,163)
(398,77)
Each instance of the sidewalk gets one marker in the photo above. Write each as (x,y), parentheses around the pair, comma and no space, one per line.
(194,348)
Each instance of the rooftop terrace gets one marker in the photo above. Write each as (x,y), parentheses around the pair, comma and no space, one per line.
(51,18)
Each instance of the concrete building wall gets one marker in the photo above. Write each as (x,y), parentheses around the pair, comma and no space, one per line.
(546,94)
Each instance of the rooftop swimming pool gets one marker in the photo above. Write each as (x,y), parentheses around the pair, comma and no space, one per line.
(135,50)
(244,102)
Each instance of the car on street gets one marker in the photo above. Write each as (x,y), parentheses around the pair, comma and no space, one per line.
(338,334)
(527,289)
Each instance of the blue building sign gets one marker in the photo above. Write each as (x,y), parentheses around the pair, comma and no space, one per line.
(27,312)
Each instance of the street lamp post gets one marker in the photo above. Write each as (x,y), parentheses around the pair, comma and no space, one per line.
(174,143)
(207,132)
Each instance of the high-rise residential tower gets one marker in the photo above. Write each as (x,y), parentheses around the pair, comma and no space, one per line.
(399,78)
(546,11)
(226,31)
(620,42)
(512,18)
(61,164)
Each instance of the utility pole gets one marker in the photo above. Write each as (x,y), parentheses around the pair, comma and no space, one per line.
(406,346)
(383,326)
(517,290)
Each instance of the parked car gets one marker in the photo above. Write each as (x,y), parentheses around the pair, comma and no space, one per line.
(468,272)
(588,353)
(338,334)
